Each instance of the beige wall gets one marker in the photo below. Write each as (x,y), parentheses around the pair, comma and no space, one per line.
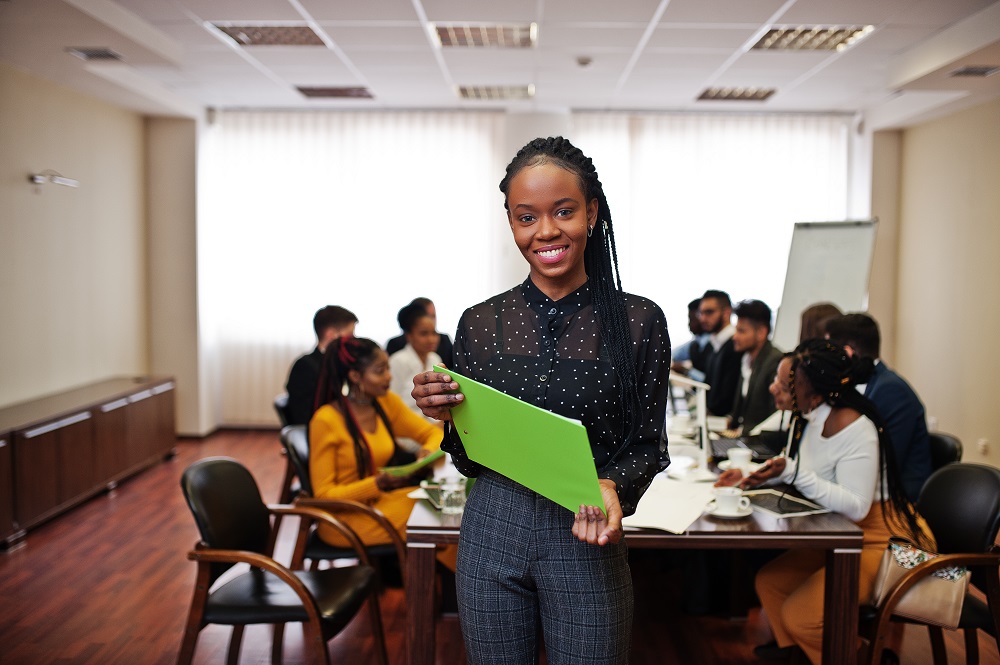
(72,261)
(171,194)
(947,316)
(884,280)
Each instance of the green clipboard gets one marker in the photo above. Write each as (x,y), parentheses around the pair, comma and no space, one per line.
(413,467)
(541,450)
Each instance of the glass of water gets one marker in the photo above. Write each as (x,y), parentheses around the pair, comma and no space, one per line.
(453,495)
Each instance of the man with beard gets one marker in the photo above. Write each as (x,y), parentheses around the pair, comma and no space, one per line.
(719,359)
(753,402)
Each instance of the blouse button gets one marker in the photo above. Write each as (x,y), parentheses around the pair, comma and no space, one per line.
(543,377)
(553,311)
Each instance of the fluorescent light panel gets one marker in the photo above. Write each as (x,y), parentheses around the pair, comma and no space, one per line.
(99,53)
(813,38)
(271,35)
(496,92)
(486,35)
(736,94)
(336,92)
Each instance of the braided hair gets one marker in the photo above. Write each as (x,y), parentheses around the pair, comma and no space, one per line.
(833,374)
(342,356)
(601,264)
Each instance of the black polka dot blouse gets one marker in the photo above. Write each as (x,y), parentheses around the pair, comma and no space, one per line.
(549,353)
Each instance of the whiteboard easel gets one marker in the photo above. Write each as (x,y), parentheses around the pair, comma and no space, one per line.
(827,262)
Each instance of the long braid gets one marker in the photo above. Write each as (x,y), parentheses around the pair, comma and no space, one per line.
(601,264)
(833,375)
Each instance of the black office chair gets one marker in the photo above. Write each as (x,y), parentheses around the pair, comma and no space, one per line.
(945,449)
(309,545)
(289,488)
(281,408)
(234,524)
(961,503)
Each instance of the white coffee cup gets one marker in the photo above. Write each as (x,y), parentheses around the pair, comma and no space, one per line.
(728,501)
(739,458)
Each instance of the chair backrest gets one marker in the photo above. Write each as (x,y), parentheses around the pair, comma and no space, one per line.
(961,503)
(281,408)
(227,507)
(295,440)
(945,449)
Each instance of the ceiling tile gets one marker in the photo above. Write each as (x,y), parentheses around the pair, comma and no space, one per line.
(711,11)
(360,10)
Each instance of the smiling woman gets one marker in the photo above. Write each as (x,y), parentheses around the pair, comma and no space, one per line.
(568,340)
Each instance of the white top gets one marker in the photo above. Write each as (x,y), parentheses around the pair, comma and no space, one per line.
(839,472)
(721,337)
(404,365)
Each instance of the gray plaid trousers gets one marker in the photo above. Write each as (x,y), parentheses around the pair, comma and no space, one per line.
(519,566)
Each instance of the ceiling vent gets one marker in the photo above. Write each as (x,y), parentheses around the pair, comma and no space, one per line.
(272,35)
(976,71)
(485,35)
(813,38)
(496,92)
(336,93)
(735,94)
(100,53)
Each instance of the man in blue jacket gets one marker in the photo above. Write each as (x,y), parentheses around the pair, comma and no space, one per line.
(896,401)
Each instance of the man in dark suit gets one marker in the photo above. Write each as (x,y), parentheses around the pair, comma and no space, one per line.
(719,361)
(895,400)
(444,345)
(753,401)
(329,323)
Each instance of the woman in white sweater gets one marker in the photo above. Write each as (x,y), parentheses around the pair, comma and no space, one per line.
(840,457)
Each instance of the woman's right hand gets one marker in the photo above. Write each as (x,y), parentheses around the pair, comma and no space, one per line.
(431,391)
(386,482)
(772,468)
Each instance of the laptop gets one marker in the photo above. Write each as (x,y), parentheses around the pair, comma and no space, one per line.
(763,446)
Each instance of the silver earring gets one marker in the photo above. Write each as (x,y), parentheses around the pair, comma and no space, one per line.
(590,231)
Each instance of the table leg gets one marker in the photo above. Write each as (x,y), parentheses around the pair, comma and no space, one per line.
(840,611)
(420,623)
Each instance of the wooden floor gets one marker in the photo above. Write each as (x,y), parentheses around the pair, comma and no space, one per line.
(110,583)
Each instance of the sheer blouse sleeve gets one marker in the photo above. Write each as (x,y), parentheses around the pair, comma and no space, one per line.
(634,465)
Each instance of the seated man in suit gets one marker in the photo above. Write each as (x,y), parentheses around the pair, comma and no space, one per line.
(897,403)
(683,357)
(330,322)
(444,345)
(719,360)
(753,401)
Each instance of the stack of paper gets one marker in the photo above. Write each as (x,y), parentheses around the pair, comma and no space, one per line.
(670,505)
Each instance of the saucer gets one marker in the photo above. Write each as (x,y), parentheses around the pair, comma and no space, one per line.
(731,516)
(725,464)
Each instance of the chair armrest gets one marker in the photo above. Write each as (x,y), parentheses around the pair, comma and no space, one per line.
(205,555)
(372,513)
(315,514)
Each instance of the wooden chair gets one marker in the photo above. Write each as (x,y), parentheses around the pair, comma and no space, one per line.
(309,545)
(945,449)
(961,503)
(234,524)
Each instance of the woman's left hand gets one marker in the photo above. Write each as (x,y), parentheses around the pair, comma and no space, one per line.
(591,525)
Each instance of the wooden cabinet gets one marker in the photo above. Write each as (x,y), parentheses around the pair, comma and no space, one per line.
(65,448)
(6,487)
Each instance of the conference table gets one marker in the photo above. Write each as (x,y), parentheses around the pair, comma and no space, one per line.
(840,538)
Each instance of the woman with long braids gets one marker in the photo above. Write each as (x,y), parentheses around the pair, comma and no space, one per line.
(353,434)
(843,463)
(569,340)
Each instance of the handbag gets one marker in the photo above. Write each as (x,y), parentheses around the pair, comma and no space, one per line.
(937,599)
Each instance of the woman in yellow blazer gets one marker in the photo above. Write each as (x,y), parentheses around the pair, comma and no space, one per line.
(353,434)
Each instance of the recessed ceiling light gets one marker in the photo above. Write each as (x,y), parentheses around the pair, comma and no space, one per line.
(336,92)
(480,35)
(100,53)
(493,92)
(271,35)
(976,71)
(813,38)
(736,94)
